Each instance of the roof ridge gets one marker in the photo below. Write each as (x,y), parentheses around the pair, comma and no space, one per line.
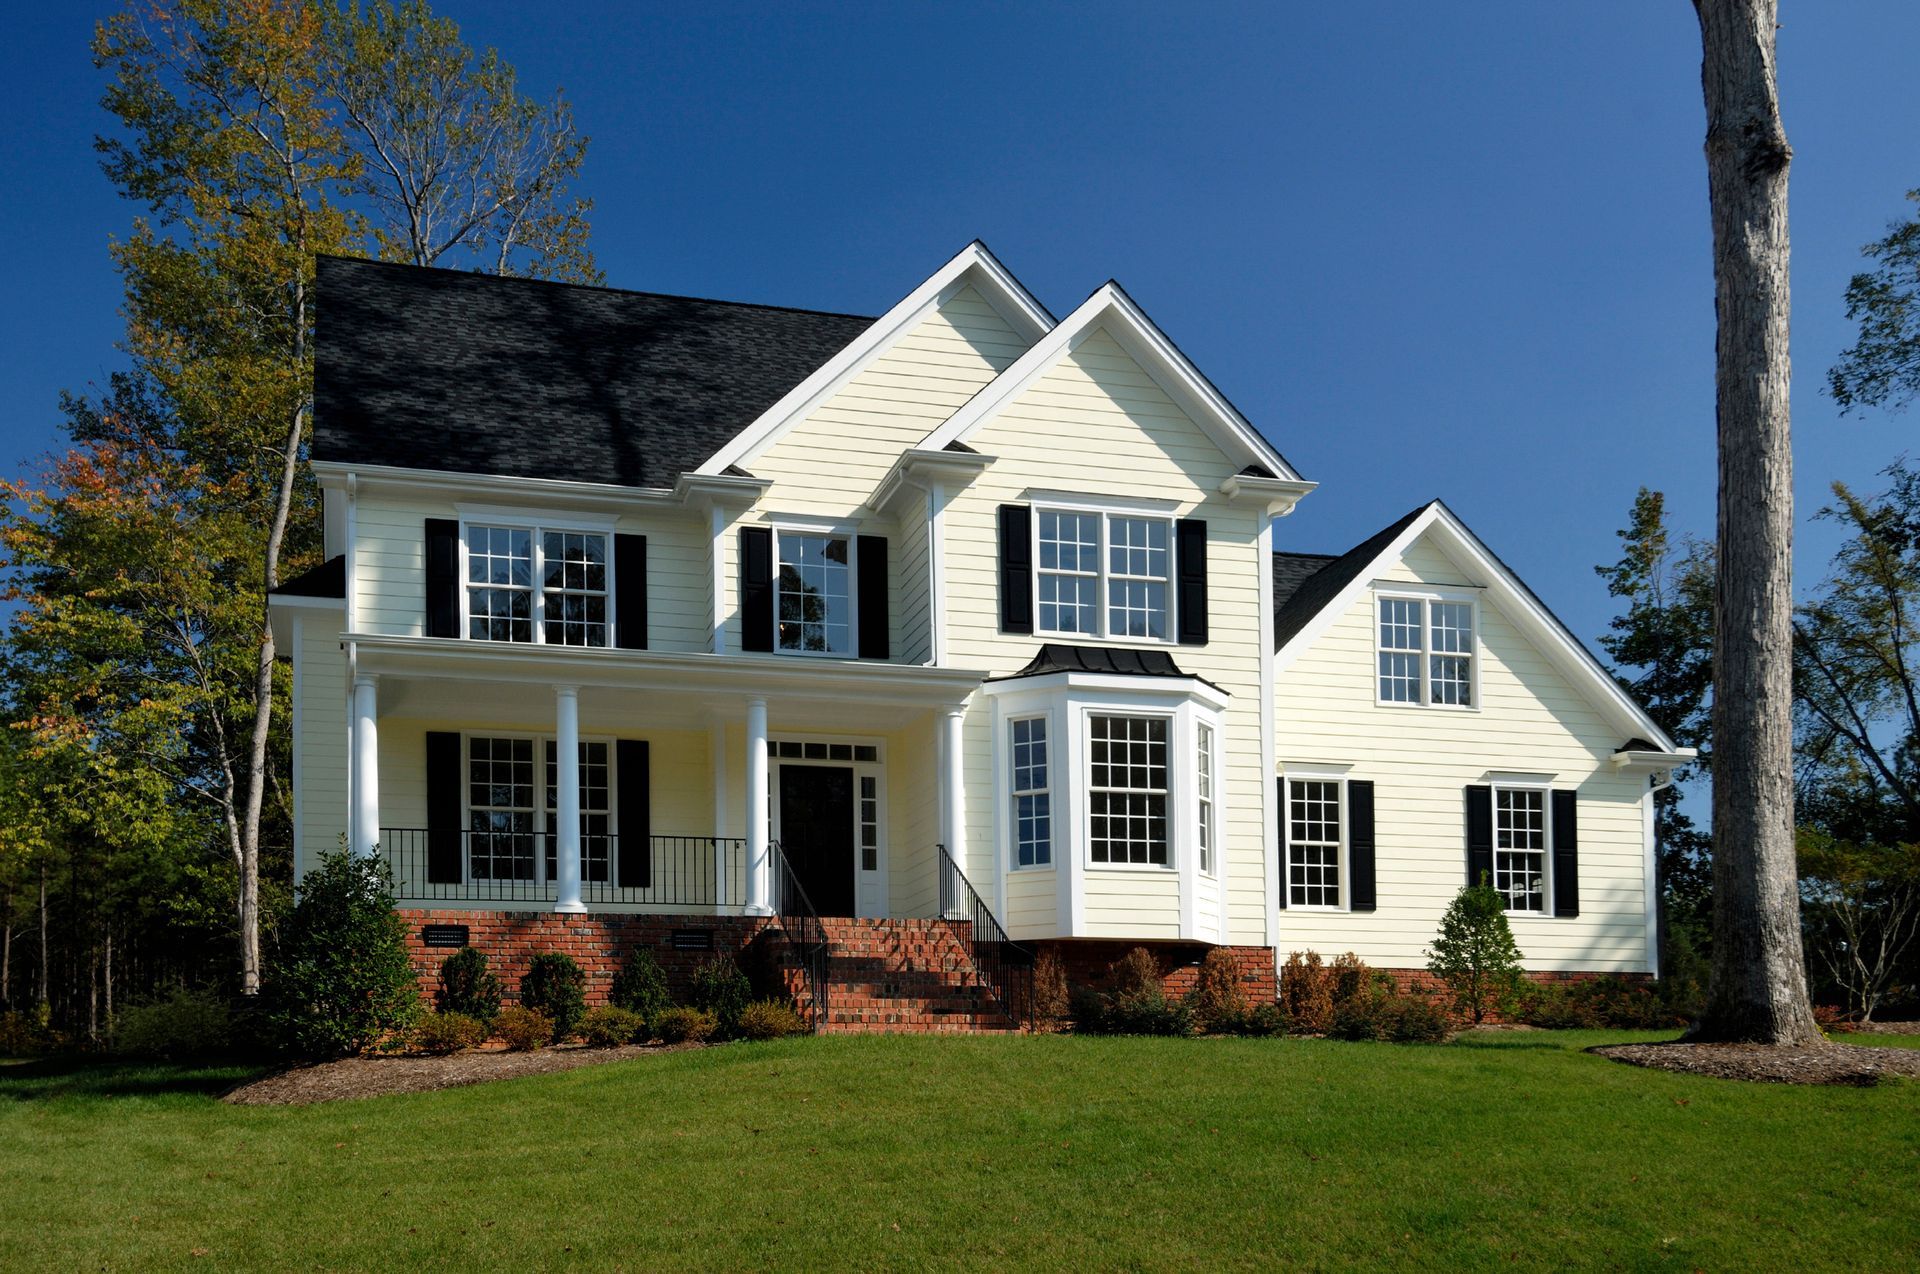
(587,287)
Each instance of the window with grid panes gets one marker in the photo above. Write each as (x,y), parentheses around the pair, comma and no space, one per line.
(1313,843)
(1127,789)
(568,607)
(1520,847)
(596,827)
(1032,796)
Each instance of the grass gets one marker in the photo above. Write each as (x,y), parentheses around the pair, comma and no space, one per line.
(1496,1150)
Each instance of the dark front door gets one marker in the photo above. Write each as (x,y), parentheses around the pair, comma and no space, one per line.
(816,833)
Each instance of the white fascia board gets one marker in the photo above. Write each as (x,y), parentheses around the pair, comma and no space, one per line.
(918,470)
(283,612)
(973,263)
(1158,356)
(547,492)
(1116,686)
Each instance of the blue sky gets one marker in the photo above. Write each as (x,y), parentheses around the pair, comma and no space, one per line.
(1430,250)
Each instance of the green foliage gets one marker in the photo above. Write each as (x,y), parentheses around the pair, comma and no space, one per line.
(1137,1003)
(555,986)
(1860,913)
(769,1020)
(641,987)
(719,987)
(1218,1003)
(186,1024)
(1475,954)
(685,1026)
(1882,368)
(438,1034)
(610,1026)
(1381,1013)
(523,1030)
(342,978)
(467,986)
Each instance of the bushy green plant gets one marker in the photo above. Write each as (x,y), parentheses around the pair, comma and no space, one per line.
(719,987)
(685,1025)
(468,986)
(1381,1013)
(641,987)
(1137,1004)
(522,1030)
(342,979)
(438,1034)
(610,1026)
(555,986)
(188,1023)
(769,1020)
(1475,954)
(1265,1019)
(1610,1002)
(1218,1003)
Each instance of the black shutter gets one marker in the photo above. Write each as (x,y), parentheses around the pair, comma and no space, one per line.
(871,555)
(1360,892)
(1286,870)
(1479,834)
(630,592)
(1016,568)
(446,810)
(1566,854)
(443,577)
(633,764)
(1190,577)
(756,588)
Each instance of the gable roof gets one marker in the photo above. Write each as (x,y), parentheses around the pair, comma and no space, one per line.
(1112,309)
(1326,594)
(445,369)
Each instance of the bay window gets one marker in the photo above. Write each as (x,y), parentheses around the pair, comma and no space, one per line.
(1127,789)
(1031,793)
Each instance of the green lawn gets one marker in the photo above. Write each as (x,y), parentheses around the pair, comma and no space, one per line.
(1497,1150)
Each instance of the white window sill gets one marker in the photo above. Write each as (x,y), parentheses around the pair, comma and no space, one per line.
(1031,869)
(1426,707)
(1166,869)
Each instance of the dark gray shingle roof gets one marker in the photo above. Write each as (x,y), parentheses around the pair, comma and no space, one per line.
(1300,593)
(474,373)
(329,579)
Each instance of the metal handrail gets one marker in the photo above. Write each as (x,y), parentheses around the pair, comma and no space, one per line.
(1005,967)
(794,913)
(679,871)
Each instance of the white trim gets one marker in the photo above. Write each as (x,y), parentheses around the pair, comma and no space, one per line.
(1427,598)
(1103,574)
(1158,357)
(1270,816)
(537,531)
(871,889)
(936,574)
(972,263)
(717,523)
(1118,685)
(1003,786)
(1343,850)
(1315,769)
(819,529)
(1650,878)
(1082,502)
(529,516)
(1526,783)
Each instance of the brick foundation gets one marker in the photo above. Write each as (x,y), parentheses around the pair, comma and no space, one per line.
(1087,962)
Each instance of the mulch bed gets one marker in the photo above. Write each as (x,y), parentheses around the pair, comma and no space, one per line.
(1888,1028)
(1831,1063)
(354,1077)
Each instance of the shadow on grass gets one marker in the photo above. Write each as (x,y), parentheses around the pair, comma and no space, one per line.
(48,1079)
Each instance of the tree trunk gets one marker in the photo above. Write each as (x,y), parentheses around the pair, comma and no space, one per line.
(44,984)
(1759,984)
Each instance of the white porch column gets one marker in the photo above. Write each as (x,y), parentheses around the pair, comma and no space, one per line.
(953,806)
(363,822)
(566,799)
(759,860)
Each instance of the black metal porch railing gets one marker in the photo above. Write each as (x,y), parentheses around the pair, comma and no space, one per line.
(1005,967)
(806,936)
(508,867)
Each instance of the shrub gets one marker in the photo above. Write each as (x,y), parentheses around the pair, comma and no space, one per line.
(522,1030)
(769,1020)
(719,987)
(1135,973)
(1610,1002)
(1475,954)
(343,978)
(1217,1002)
(1382,1013)
(1833,1020)
(611,1026)
(1266,1019)
(554,985)
(467,986)
(187,1023)
(18,1035)
(1554,1007)
(1048,991)
(1306,992)
(442,1033)
(1138,1003)
(641,987)
(682,1025)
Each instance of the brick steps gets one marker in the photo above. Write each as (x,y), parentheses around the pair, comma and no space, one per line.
(906,977)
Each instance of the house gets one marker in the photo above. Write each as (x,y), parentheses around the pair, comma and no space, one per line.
(917,643)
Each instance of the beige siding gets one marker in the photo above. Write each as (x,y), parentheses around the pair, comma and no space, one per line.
(322,689)
(1532,719)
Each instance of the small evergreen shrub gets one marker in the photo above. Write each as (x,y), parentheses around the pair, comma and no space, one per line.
(611,1026)
(555,986)
(467,986)
(641,987)
(685,1025)
(1138,1003)
(1218,1003)
(343,979)
(719,987)
(769,1020)
(1266,1019)
(1051,1003)
(1475,954)
(1135,973)
(186,1024)
(1382,1013)
(522,1030)
(439,1034)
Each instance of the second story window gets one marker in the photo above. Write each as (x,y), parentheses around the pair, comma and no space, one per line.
(531,584)
(1103,574)
(814,593)
(1426,651)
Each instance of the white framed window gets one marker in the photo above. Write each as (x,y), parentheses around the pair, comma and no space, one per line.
(1103,574)
(813,592)
(596,811)
(869,822)
(511,822)
(1521,848)
(1031,792)
(1203,778)
(1425,651)
(1127,788)
(527,583)
(1316,841)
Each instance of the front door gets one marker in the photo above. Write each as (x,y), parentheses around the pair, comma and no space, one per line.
(816,833)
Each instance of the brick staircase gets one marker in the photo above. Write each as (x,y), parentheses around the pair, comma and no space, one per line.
(905,977)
